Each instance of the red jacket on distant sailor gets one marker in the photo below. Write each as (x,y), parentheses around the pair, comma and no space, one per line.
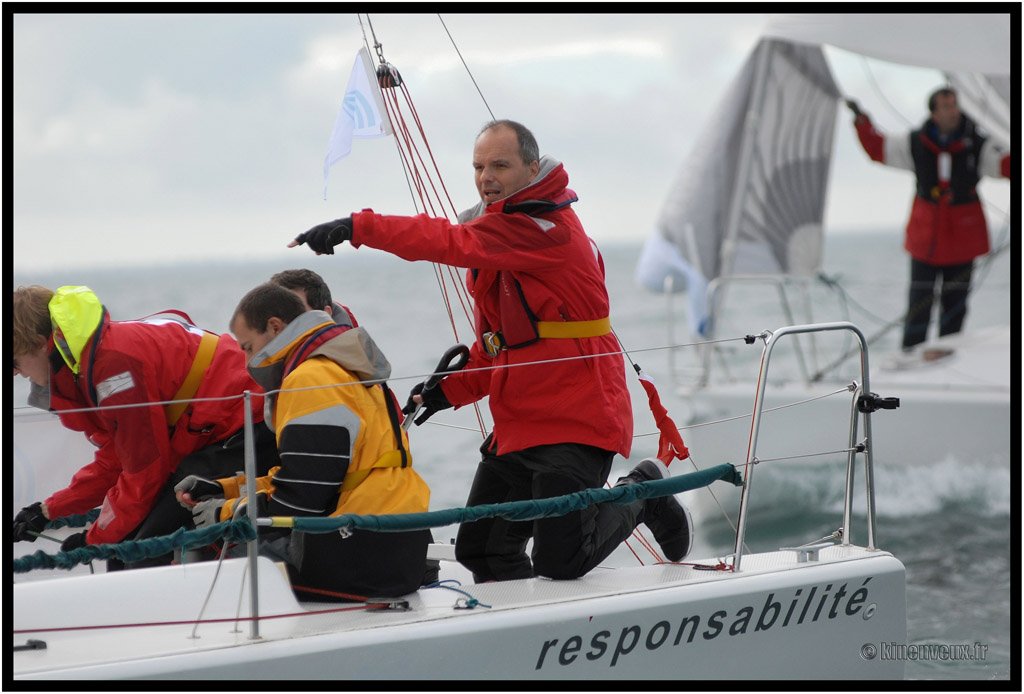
(947,223)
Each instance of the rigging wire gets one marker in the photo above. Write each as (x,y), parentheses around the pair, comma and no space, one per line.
(423,178)
(468,71)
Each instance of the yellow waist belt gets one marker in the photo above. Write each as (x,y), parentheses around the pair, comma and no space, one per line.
(577,328)
(204,356)
(495,342)
(354,478)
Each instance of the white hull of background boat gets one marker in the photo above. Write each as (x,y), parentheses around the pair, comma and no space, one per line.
(779,618)
(953,411)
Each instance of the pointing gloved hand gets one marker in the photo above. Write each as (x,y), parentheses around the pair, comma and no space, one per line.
(434,400)
(75,541)
(196,488)
(324,237)
(207,513)
(854,108)
(29,522)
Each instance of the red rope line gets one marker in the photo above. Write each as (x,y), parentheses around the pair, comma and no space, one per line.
(432,195)
(201,621)
(331,593)
(419,125)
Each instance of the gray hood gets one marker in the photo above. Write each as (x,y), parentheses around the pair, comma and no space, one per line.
(354,350)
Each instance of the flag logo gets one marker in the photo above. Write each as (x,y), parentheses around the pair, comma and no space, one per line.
(360,110)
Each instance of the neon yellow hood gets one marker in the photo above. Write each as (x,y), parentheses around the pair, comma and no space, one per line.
(75,313)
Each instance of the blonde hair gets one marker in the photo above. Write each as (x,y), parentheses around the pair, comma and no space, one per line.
(31,318)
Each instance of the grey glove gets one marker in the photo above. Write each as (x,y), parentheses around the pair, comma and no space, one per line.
(207,513)
(198,488)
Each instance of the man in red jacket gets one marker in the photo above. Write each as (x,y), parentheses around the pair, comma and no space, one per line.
(537,283)
(947,228)
(77,358)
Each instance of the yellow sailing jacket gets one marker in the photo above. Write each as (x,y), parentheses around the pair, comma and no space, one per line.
(338,446)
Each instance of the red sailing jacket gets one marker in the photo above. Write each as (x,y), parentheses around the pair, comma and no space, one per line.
(947,223)
(133,362)
(561,276)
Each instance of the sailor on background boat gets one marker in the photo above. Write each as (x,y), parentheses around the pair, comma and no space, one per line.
(342,451)
(77,357)
(537,283)
(947,228)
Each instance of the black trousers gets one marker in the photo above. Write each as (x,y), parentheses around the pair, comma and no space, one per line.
(366,564)
(564,547)
(955,283)
(221,459)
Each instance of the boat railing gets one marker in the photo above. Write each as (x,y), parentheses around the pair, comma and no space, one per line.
(863,403)
(251,513)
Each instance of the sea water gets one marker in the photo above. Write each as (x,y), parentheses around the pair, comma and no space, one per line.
(952,534)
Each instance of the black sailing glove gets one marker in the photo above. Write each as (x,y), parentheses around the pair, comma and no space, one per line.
(324,237)
(73,542)
(434,400)
(29,522)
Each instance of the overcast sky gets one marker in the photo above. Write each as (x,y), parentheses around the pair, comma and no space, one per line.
(161,138)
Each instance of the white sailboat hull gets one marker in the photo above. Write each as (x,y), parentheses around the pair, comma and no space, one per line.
(777,619)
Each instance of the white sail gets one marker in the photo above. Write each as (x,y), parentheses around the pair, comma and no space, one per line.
(751,197)
(973,50)
(968,42)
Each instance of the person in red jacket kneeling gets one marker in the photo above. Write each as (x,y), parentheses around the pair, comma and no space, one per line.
(99,376)
(544,354)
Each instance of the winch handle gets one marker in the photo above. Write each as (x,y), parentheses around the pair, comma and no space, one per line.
(454,359)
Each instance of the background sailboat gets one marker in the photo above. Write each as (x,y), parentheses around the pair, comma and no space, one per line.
(744,224)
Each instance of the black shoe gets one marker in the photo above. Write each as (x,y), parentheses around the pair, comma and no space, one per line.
(668,519)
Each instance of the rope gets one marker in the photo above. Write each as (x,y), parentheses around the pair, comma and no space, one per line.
(221,620)
(136,550)
(527,510)
(241,531)
(468,604)
(427,195)
(75,520)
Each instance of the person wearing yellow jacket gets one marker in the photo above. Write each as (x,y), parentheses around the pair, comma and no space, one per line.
(342,450)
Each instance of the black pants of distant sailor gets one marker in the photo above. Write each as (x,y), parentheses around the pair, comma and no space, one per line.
(956,283)
(221,459)
(564,547)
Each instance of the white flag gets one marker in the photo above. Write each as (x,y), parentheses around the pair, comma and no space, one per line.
(360,114)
